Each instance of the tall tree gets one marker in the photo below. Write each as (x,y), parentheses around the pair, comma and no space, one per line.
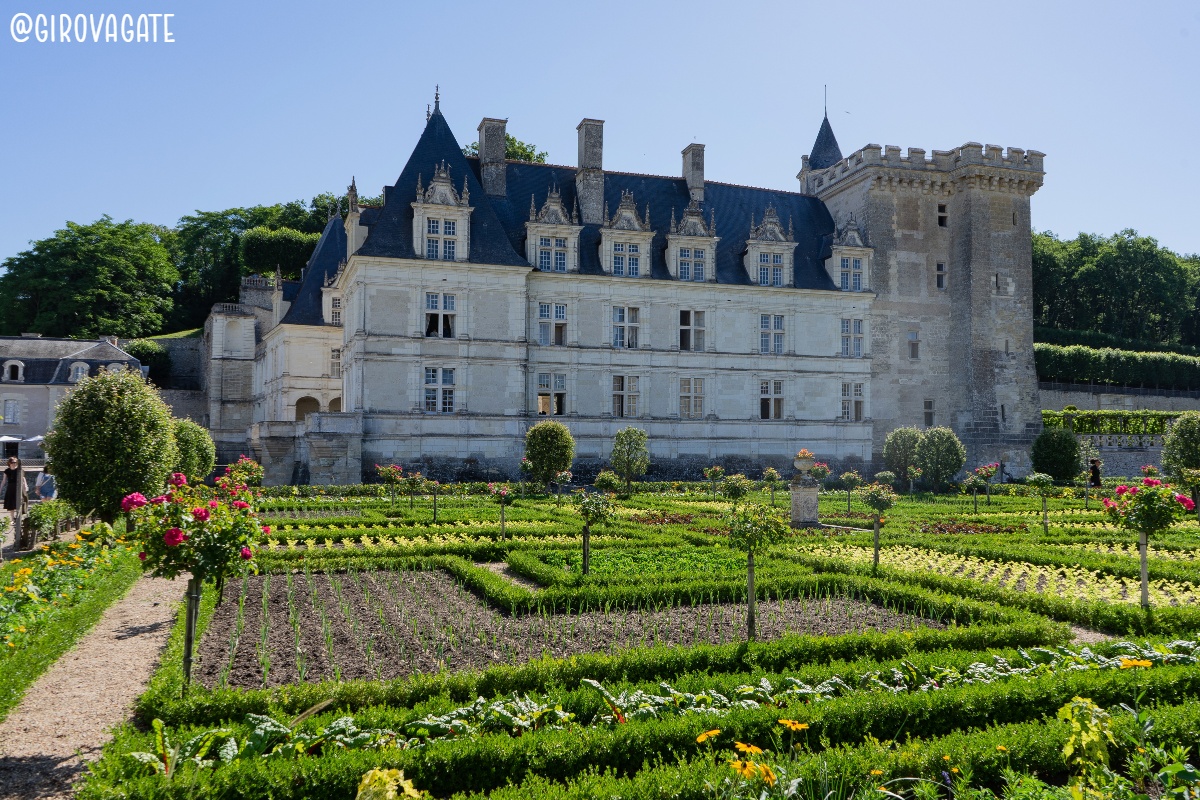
(514,150)
(90,280)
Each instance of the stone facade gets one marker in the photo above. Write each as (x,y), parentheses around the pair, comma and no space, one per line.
(734,325)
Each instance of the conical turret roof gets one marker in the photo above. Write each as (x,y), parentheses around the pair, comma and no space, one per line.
(825,151)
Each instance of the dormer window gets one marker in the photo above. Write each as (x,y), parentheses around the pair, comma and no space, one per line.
(850,261)
(625,240)
(79,371)
(770,251)
(626,259)
(552,236)
(690,245)
(442,218)
(14,372)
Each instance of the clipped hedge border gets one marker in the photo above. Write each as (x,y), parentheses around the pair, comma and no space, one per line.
(489,763)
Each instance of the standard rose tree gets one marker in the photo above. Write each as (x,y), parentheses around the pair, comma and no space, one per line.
(1149,509)
(595,508)
(879,497)
(752,528)
(183,531)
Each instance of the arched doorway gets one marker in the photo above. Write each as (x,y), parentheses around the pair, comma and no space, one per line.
(335,405)
(306,406)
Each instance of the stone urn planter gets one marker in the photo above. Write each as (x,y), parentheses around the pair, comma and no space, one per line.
(804,493)
(803,464)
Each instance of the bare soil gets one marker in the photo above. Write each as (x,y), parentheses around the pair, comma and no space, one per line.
(384,625)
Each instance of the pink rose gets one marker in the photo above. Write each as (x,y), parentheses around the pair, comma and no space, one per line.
(213,503)
(142,556)
(1108,503)
(178,479)
(246,554)
(240,504)
(173,537)
(162,498)
(200,514)
(1151,482)
(1185,501)
(1122,489)
(266,528)
(1133,490)
(132,501)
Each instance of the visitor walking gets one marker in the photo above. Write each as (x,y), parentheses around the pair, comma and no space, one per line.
(1094,477)
(14,490)
(44,487)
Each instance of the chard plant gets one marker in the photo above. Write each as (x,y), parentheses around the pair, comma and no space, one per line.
(752,528)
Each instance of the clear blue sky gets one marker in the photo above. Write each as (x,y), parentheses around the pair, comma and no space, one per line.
(260,102)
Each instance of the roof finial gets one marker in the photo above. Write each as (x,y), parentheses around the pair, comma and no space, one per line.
(532,208)
(352,198)
(827,101)
(575,212)
(427,114)
(437,97)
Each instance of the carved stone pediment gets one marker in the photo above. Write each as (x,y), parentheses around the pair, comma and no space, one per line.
(441,190)
(850,235)
(770,229)
(626,218)
(553,211)
(693,223)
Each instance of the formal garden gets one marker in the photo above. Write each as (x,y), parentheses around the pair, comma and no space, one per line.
(544,639)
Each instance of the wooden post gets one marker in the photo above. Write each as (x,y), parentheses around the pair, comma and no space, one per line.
(751,597)
(587,546)
(189,628)
(1142,547)
(875,564)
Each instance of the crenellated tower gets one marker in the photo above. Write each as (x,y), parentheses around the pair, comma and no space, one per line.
(952,327)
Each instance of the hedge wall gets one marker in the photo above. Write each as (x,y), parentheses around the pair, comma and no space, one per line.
(1143,423)
(1078,364)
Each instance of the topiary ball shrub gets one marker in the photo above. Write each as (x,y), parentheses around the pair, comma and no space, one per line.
(1056,453)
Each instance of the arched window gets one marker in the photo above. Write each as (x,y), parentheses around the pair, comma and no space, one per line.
(306,406)
(335,405)
(14,372)
(116,366)
(79,371)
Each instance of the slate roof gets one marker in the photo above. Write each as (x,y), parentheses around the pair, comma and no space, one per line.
(306,293)
(50,360)
(825,151)
(498,223)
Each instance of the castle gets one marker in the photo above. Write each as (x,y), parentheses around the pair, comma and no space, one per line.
(733,324)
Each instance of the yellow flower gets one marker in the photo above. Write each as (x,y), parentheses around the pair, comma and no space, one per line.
(1130,663)
(1001,748)
(21,629)
(876,772)
(744,768)
(748,748)
(945,758)
(954,770)
(794,726)
(704,737)
(767,774)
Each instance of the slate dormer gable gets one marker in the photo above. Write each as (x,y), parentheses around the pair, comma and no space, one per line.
(692,245)
(552,234)
(772,248)
(627,241)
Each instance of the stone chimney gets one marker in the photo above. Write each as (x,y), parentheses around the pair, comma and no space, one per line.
(492,146)
(589,179)
(693,171)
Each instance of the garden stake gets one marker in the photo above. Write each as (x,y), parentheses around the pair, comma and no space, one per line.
(189,629)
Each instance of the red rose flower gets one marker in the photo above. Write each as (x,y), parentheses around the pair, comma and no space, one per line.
(132,501)
(246,554)
(266,528)
(240,504)
(200,514)
(142,556)
(173,537)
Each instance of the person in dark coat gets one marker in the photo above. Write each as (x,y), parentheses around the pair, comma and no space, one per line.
(13,489)
(1094,473)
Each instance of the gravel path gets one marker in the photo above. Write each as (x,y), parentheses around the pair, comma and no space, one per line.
(65,717)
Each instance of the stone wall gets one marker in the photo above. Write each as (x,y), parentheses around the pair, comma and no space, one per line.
(187,404)
(1115,399)
(188,361)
